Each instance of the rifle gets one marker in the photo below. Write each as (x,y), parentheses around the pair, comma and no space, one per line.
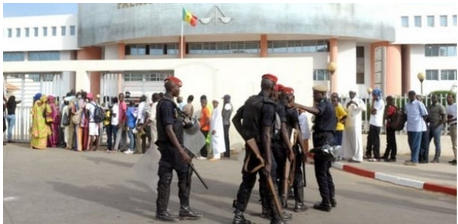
(288,175)
(270,184)
(191,165)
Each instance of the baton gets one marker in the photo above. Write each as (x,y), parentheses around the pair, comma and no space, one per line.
(194,169)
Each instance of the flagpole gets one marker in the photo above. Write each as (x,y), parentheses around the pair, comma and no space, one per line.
(181,45)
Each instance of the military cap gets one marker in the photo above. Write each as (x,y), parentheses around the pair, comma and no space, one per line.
(320,88)
(174,80)
(270,77)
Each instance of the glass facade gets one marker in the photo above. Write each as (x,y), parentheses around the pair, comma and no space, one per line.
(13,56)
(297,46)
(44,56)
(147,76)
(446,50)
(223,47)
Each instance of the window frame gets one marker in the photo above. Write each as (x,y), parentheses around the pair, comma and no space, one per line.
(45,31)
(54,31)
(430,20)
(430,73)
(72,30)
(10,32)
(419,21)
(63,30)
(443,23)
(27,32)
(405,21)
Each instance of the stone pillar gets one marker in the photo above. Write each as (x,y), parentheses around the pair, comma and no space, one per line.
(263,46)
(393,74)
(333,54)
(93,85)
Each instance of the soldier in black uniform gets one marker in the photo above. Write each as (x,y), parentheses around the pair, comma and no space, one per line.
(292,122)
(323,133)
(173,156)
(254,120)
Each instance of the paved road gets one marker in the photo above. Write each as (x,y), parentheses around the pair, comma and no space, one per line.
(58,186)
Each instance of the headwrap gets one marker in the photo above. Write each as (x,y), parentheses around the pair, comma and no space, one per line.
(377,92)
(51,99)
(44,98)
(36,97)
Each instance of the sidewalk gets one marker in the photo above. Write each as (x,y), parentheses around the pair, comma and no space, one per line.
(439,177)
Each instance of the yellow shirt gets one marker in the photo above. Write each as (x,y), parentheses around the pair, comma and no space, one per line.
(340,113)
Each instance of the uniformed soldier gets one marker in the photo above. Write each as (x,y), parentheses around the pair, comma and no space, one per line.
(254,121)
(323,134)
(173,156)
(292,122)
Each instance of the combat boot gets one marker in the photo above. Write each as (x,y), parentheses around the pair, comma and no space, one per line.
(333,202)
(240,219)
(187,214)
(299,206)
(322,207)
(166,217)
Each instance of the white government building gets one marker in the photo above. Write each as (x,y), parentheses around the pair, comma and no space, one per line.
(133,47)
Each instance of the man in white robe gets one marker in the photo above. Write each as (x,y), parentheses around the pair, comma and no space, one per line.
(352,136)
(218,144)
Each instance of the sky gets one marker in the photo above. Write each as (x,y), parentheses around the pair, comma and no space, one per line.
(38,9)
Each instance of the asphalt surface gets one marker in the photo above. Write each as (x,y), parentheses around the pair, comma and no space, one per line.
(60,186)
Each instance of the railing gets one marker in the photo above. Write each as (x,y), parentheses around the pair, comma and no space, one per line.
(400,102)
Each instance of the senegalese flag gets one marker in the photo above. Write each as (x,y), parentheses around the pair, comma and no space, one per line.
(189,17)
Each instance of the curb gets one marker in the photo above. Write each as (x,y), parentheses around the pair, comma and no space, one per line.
(396,180)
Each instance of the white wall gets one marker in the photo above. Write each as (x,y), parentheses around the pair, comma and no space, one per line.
(40,43)
(420,63)
(425,34)
(213,77)
(346,65)
(111,52)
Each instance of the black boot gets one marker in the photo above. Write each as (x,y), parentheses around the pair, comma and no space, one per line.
(322,207)
(166,217)
(299,197)
(333,202)
(187,214)
(163,194)
(239,218)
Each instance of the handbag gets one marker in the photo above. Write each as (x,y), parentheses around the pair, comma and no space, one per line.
(65,119)
(48,119)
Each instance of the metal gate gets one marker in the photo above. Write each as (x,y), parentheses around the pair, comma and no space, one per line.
(136,82)
(24,87)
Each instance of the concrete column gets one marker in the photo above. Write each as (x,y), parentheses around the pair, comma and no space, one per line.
(121,56)
(393,74)
(180,48)
(91,53)
(405,52)
(333,54)
(372,56)
(82,81)
(263,46)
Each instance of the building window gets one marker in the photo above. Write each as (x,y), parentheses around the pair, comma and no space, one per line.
(443,20)
(158,76)
(432,75)
(10,32)
(297,46)
(128,77)
(320,75)
(44,56)
(417,21)
(430,21)
(35,31)
(137,49)
(448,75)
(404,21)
(454,20)
(27,32)
(45,31)
(446,50)
(360,66)
(72,31)
(223,47)
(171,49)
(13,56)
(54,31)
(62,30)
(18,32)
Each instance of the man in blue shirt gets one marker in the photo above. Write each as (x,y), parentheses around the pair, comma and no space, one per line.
(416,115)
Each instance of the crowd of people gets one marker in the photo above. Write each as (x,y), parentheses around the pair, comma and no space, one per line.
(422,123)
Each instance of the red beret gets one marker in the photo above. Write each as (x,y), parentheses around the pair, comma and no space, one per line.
(90,96)
(278,87)
(288,90)
(270,77)
(174,80)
